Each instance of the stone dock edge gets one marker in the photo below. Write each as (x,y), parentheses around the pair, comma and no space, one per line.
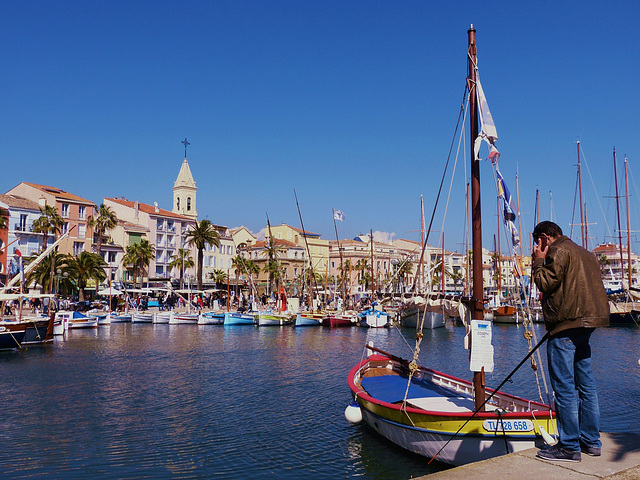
(620,460)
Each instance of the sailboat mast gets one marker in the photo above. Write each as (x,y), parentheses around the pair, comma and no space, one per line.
(477,304)
(499,260)
(373,281)
(582,223)
(615,178)
(519,216)
(344,287)
(420,265)
(626,194)
(467,285)
(443,270)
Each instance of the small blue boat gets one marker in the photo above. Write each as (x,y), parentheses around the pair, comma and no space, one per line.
(237,318)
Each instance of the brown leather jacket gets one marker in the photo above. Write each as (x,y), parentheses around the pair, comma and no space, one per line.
(571,284)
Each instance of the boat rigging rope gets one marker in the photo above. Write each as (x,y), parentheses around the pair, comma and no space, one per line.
(14,339)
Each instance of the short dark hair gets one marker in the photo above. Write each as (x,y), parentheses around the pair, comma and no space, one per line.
(546,228)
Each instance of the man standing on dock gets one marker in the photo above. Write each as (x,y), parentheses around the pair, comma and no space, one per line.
(574,303)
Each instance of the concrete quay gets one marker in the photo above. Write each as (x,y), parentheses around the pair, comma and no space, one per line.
(620,460)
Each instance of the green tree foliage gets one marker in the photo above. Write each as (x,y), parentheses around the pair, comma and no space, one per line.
(104,221)
(139,256)
(84,267)
(200,235)
(181,260)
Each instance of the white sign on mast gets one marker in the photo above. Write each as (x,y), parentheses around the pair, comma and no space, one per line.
(481,348)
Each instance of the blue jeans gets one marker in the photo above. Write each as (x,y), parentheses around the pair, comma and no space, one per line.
(576,397)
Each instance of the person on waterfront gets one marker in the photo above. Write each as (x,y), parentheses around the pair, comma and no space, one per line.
(574,303)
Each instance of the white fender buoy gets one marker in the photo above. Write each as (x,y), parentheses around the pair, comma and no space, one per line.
(352,413)
(548,439)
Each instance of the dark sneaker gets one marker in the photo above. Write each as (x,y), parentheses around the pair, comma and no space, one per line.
(592,451)
(559,454)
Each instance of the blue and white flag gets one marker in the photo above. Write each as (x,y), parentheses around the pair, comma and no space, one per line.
(338,215)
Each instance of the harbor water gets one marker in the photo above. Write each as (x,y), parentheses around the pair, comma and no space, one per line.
(186,401)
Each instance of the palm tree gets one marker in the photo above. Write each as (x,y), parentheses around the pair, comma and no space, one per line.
(272,269)
(139,255)
(403,270)
(362,266)
(84,267)
(41,275)
(48,222)
(105,221)
(218,276)
(200,235)
(345,276)
(238,264)
(181,260)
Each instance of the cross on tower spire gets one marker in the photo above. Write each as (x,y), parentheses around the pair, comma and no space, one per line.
(185,142)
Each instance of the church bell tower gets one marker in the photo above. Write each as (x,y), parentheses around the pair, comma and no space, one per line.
(184,190)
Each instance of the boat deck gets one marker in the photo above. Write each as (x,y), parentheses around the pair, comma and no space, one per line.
(421,394)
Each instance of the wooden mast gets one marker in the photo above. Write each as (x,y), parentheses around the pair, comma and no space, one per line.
(477,303)
(582,224)
(373,281)
(420,271)
(467,285)
(615,177)
(442,265)
(626,194)
(344,286)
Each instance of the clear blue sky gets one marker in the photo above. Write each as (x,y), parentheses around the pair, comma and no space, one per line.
(353,104)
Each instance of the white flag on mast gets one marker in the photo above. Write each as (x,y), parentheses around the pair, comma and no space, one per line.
(488,131)
(338,215)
